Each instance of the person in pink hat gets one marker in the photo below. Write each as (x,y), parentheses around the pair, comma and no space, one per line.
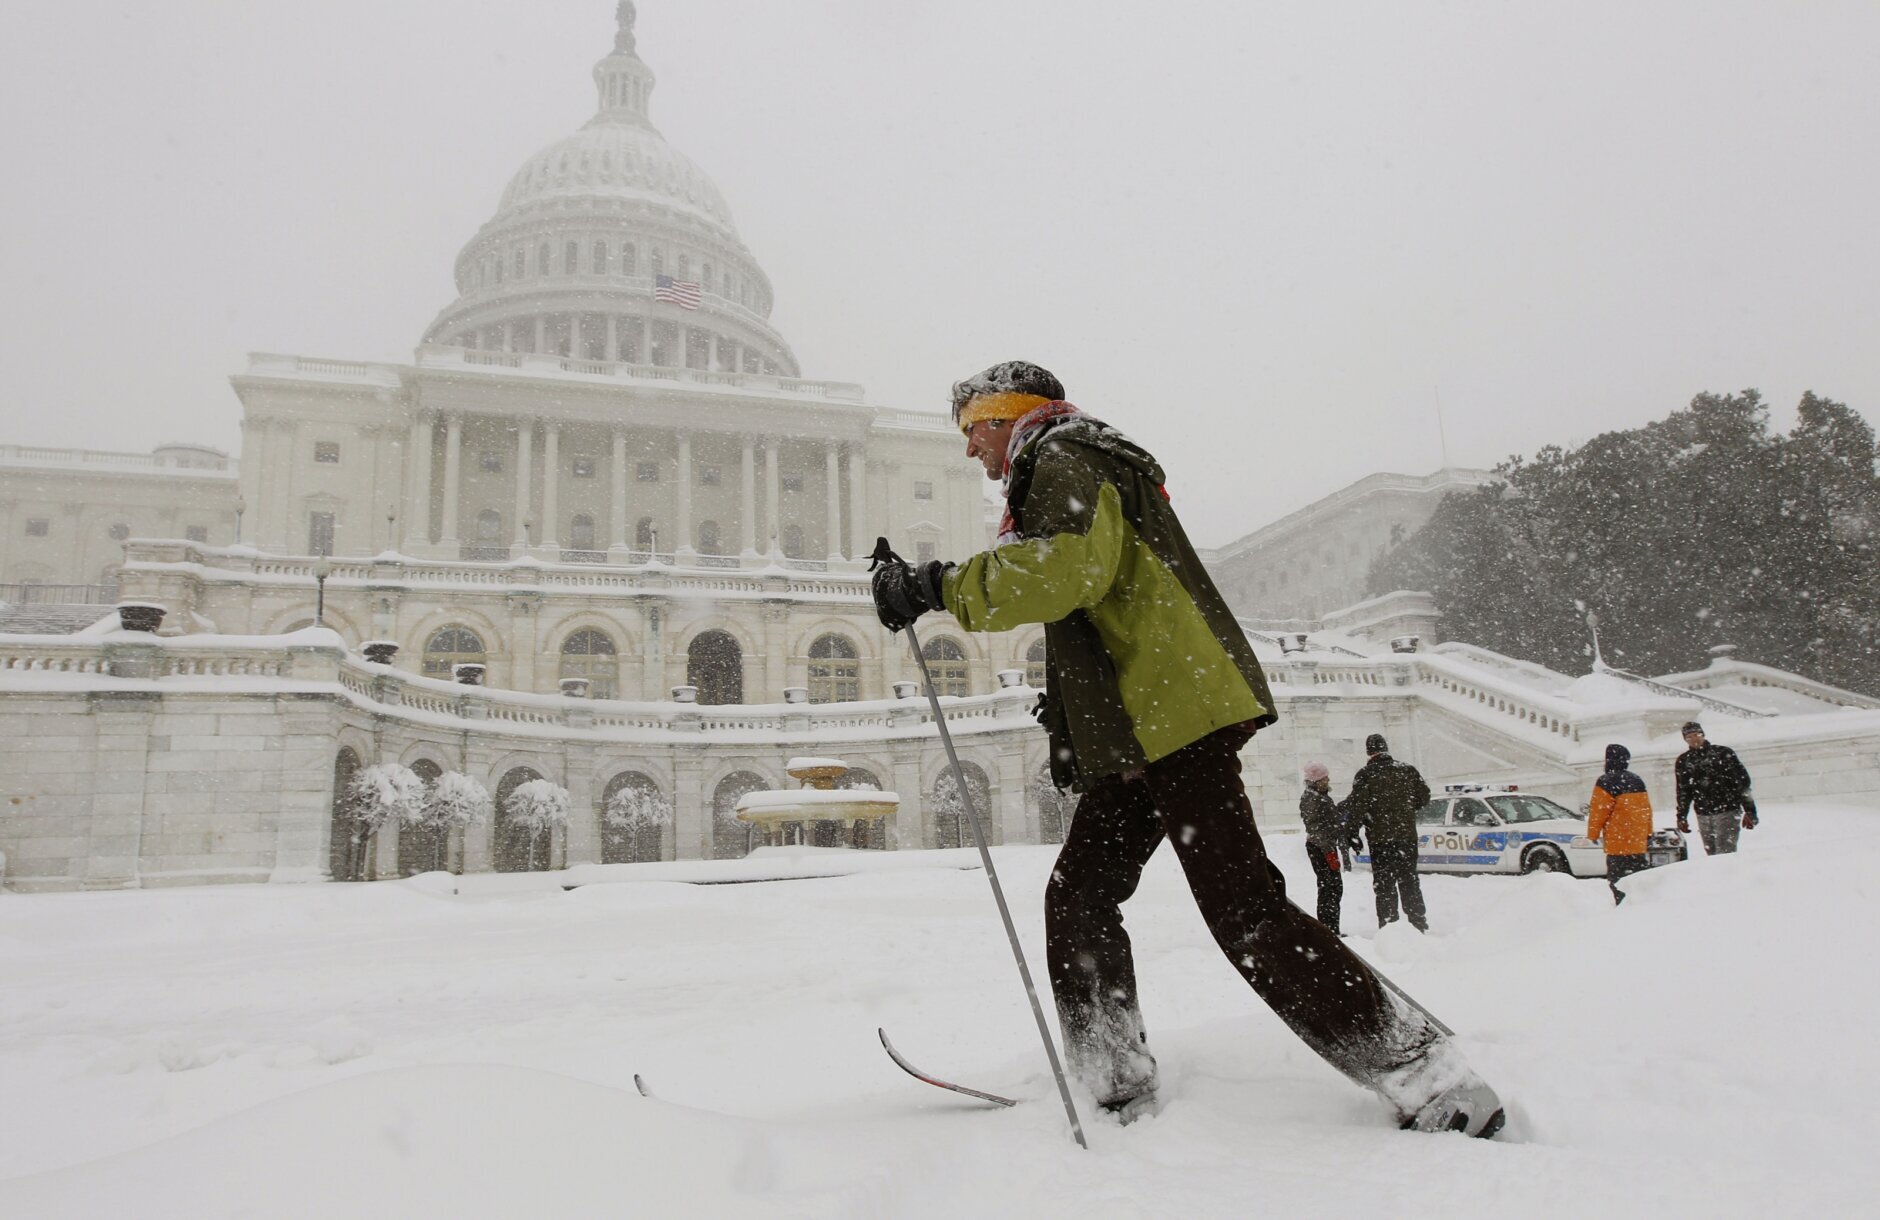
(1325,834)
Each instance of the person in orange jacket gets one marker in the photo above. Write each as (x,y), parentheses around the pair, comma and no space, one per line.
(1621,815)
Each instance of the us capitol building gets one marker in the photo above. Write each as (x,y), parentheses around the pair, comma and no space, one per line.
(601,531)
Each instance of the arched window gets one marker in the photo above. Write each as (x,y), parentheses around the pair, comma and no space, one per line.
(705,276)
(732,839)
(708,542)
(520,271)
(345,857)
(450,646)
(951,827)
(715,664)
(543,260)
(685,265)
(631,808)
(627,259)
(571,258)
(590,654)
(1054,806)
(499,268)
(946,662)
(515,850)
(792,540)
(835,674)
(1035,657)
(423,848)
(600,258)
(489,526)
(581,532)
(643,536)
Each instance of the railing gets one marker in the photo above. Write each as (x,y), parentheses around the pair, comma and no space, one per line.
(1722,707)
(59,595)
(1753,676)
(573,556)
(435,356)
(483,554)
(105,460)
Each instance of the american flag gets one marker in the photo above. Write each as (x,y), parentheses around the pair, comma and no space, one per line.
(683,293)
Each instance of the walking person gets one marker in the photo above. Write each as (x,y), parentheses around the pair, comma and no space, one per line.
(1151,691)
(1383,803)
(1712,779)
(1325,835)
(1621,816)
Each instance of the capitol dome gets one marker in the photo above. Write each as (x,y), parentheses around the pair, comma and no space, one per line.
(612,245)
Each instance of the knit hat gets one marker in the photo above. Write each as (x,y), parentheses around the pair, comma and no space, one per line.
(1314,772)
(1691,726)
(1004,391)
(1375,744)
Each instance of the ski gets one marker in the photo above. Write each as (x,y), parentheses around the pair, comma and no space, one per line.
(645,1090)
(917,1074)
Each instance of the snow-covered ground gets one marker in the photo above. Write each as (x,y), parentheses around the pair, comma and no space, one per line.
(396,1050)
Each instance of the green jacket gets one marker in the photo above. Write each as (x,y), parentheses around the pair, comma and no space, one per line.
(1142,655)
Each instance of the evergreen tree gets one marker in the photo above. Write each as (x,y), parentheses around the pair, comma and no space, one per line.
(1701,528)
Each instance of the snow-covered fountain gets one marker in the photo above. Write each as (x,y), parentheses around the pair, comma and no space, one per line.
(784,815)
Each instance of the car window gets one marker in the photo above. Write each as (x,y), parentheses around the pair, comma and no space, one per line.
(1432,813)
(1471,812)
(1530,809)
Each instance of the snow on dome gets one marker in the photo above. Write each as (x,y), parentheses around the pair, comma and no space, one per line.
(614,161)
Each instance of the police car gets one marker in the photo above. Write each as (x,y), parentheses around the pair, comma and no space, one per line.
(1478,828)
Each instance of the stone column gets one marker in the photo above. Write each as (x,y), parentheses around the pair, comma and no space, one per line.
(584,818)
(120,740)
(685,346)
(418,483)
(550,531)
(773,529)
(1008,800)
(613,336)
(859,525)
(904,833)
(747,473)
(691,821)
(617,506)
(776,654)
(509,334)
(682,498)
(832,495)
(541,333)
(453,479)
(525,459)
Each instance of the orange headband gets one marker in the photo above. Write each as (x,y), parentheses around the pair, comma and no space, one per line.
(1007,405)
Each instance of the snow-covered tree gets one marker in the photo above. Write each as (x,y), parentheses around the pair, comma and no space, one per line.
(456,801)
(386,794)
(634,809)
(535,808)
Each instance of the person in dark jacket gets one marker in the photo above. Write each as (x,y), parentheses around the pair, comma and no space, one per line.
(1325,835)
(1712,779)
(1151,692)
(1621,814)
(1385,796)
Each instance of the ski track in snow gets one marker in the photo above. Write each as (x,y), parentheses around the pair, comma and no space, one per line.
(391,1049)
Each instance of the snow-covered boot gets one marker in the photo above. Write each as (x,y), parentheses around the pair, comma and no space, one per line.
(1469,1106)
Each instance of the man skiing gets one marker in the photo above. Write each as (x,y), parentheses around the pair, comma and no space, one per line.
(1621,815)
(1713,778)
(1325,835)
(1384,799)
(1151,691)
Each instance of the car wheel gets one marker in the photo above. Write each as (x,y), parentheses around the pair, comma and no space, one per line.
(1544,859)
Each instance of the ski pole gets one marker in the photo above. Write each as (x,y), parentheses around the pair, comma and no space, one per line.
(992,874)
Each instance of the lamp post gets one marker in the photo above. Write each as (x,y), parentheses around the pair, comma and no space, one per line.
(321,570)
(528,533)
(241,506)
(1592,625)
(391,529)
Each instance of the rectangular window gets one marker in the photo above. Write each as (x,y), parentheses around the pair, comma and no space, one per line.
(793,482)
(319,533)
(196,533)
(38,527)
(647,472)
(923,491)
(584,468)
(326,451)
(708,476)
(490,461)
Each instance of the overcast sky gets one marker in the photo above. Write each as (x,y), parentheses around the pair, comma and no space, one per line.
(1265,239)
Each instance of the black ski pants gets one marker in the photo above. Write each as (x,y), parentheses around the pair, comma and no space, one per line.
(1195,800)
(1618,868)
(1331,883)
(1394,876)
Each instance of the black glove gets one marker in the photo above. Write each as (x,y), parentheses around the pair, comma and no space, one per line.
(903,594)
